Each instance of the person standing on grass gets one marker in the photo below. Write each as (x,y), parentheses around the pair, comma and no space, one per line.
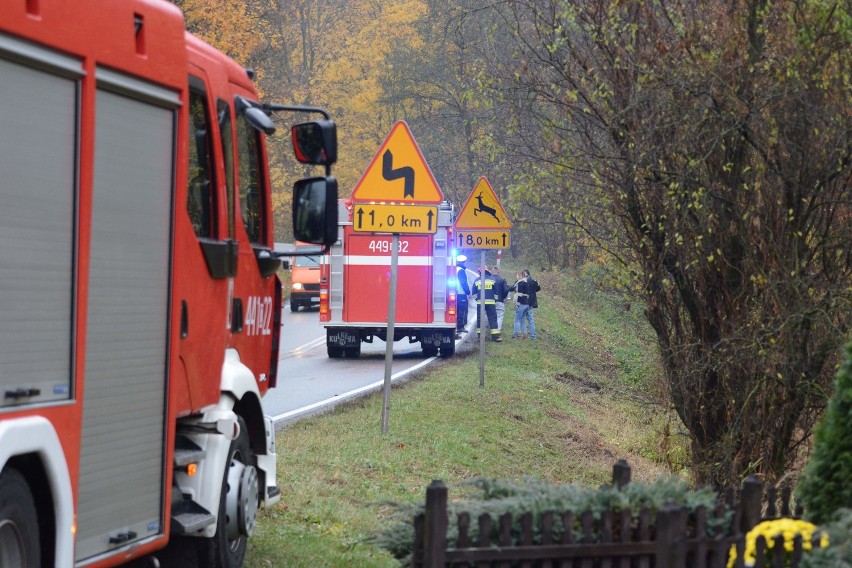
(533,288)
(525,292)
(501,290)
(486,282)
(519,329)
(462,292)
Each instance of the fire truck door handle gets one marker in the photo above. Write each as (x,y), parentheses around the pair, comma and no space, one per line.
(237,316)
(20,393)
(184,319)
(122,537)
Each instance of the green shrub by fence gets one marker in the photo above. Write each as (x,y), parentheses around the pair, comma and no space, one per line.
(676,535)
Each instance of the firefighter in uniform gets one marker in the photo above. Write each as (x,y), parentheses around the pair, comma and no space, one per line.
(487,283)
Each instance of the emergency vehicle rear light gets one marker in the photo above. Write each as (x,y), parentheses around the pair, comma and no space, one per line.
(323,307)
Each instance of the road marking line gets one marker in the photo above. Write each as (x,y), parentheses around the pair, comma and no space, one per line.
(347,395)
(302,348)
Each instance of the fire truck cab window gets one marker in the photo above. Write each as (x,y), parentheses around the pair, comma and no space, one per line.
(224,113)
(200,201)
(251,190)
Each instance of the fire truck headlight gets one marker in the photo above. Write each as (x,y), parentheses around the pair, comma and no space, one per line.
(296,286)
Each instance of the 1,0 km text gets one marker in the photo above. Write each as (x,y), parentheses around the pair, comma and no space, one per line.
(382,218)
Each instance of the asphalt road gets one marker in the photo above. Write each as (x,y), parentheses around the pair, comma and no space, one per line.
(310,382)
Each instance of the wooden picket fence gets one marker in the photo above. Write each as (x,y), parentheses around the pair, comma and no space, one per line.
(677,538)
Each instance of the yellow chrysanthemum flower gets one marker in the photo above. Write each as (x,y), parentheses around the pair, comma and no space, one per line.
(789,528)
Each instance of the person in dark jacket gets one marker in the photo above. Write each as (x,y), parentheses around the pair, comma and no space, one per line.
(486,282)
(501,291)
(525,293)
(462,292)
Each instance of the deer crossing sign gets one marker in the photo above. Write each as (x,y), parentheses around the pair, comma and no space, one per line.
(482,222)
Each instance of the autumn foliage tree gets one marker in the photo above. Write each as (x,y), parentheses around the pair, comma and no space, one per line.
(704,148)
(718,136)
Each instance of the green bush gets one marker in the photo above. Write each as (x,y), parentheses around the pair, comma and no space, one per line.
(838,554)
(825,484)
(497,497)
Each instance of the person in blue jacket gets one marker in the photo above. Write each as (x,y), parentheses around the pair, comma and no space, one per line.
(462,292)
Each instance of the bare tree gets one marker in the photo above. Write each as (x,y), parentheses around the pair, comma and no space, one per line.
(718,137)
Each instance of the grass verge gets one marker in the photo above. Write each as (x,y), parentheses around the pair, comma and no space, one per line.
(562,409)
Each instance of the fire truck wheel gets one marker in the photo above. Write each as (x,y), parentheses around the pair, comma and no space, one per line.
(352,352)
(227,548)
(429,351)
(19,544)
(294,305)
(449,350)
(334,352)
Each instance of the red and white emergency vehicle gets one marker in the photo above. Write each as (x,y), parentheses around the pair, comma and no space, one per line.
(139,302)
(355,288)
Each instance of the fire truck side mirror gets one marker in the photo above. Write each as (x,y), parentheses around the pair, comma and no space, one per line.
(315,142)
(255,116)
(315,210)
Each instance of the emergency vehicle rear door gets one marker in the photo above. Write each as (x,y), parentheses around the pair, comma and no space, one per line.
(367,278)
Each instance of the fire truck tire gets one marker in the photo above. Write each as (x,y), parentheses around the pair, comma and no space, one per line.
(449,350)
(334,352)
(352,352)
(19,536)
(429,351)
(294,305)
(181,552)
(224,550)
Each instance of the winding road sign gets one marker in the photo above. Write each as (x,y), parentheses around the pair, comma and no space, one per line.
(398,173)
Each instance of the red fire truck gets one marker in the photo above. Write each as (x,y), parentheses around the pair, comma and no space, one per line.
(355,288)
(139,302)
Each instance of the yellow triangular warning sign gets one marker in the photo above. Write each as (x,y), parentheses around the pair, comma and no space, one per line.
(483,210)
(398,172)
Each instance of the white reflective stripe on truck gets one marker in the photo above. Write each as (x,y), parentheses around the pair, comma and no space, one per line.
(364,260)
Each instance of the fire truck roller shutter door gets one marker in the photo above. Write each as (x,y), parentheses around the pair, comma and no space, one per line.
(123,433)
(367,279)
(39,110)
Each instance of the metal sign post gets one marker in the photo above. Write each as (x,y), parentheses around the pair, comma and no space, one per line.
(482,223)
(480,310)
(390,332)
(397,193)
